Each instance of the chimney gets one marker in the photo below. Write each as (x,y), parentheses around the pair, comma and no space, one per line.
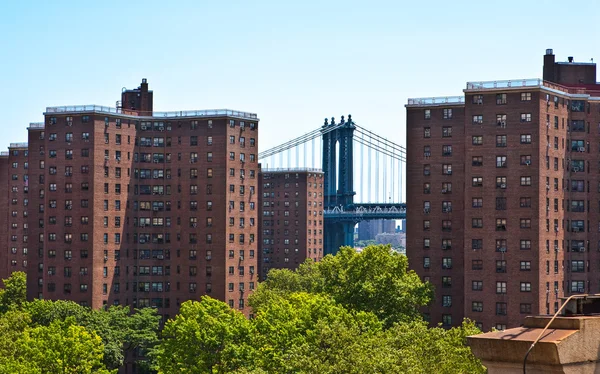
(549,73)
(570,59)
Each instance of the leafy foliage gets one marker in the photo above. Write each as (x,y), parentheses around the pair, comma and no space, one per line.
(205,337)
(375,280)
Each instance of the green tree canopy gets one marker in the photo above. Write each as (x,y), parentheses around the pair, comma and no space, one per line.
(14,294)
(205,337)
(375,280)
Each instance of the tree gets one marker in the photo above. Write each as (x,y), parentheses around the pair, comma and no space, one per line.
(375,280)
(288,330)
(62,347)
(14,294)
(205,337)
(121,331)
(422,350)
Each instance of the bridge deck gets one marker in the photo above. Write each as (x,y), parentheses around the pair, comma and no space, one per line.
(366,211)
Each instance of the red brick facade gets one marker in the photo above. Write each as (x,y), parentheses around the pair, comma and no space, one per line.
(522,216)
(145,210)
(291,209)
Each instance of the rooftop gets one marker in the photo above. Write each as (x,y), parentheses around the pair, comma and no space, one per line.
(153,115)
(36,125)
(291,170)
(18,145)
(579,91)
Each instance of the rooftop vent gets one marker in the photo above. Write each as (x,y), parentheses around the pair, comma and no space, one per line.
(570,58)
(549,51)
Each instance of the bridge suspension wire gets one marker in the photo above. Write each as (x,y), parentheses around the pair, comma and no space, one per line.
(299,140)
(371,134)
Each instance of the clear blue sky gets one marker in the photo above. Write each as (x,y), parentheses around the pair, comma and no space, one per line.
(292,62)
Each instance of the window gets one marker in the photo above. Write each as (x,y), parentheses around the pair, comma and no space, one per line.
(477,285)
(477,264)
(427,113)
(446,225)
(525,96)
(427,169)
(427,132)
(500,140)
(478,99)
(478,119)
(500,287)
(525,265)
(525,308)
(525,159)
(447,169)
(477,223)
(447,113)
(477,202)
(446,282)
(477,140)
(500,266)
(525,202)
(446,132)
(500,224)
(501,99)
(525,287)
(578,126)
(426,262)
(577,266)
(525,117)
(477,161)
(446,319)
(500,309)
(446,300)
(501,203)
(525,181)
(525,138)
(577,286)
(477,181)
(447,150)
(477,306)
(500,161)
(446,263)
(525,223)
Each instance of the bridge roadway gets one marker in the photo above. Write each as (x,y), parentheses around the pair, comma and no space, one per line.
(366,211)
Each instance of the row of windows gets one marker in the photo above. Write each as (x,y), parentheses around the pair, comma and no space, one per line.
(501,308)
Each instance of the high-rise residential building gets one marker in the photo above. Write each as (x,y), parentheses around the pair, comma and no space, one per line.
(291,210)
(504,195)
(368,230)
(129,206)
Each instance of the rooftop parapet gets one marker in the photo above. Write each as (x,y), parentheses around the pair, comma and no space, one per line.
(153,115)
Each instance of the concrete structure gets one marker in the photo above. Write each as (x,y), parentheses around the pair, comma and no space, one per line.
(502,195)
(133,207)
(571,344)
(291,210)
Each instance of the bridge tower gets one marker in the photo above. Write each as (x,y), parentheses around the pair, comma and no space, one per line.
(339,188)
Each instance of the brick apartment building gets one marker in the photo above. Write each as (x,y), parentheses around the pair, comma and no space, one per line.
(128,206)
(291,204)
(504,197)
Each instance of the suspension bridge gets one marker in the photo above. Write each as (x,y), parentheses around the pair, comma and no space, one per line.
(348,153)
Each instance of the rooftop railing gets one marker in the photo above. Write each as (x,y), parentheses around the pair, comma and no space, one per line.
(18,145)
(536,82)
(291,170)
(3,153)
(183,113)
(37,125)
(437,100)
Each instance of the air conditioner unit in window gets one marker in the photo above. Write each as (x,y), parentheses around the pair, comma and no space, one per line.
(503,185)
(444,191)
(581,290)
(160,257)
(444,246)
(581,249)
(446,267)
(105,258)
(576,169)
(502,249)
(527,162)
(142,241)
(161,128)
(426,210)
(581,149)
(143,127)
